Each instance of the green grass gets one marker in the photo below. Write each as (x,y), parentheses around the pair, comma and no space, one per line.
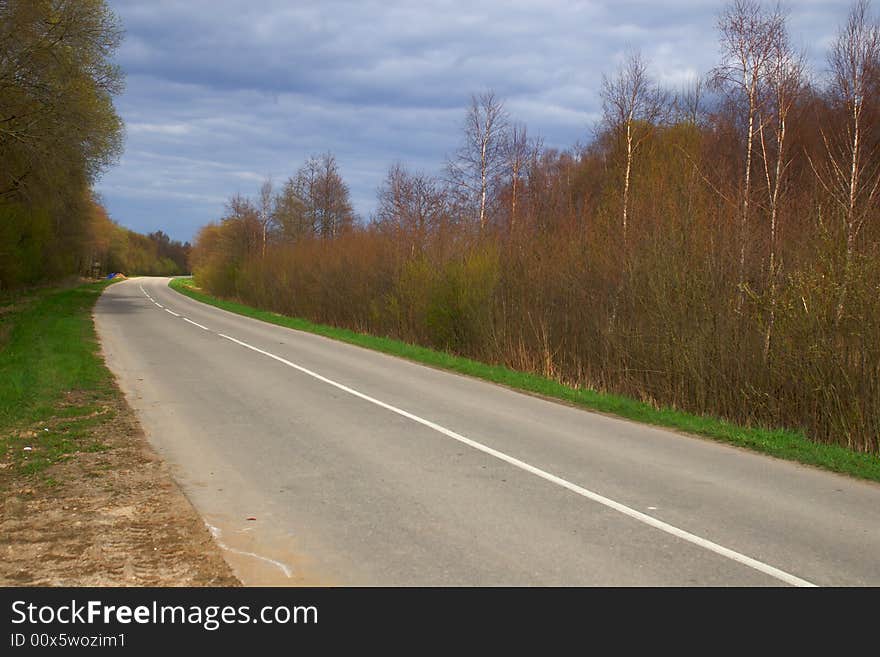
(780,443)
(52,377)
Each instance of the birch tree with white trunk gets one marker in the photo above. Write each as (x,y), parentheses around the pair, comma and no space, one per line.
(749,34)
(631,106)
(477,164)
(785,83)
(851,171)
(265,201)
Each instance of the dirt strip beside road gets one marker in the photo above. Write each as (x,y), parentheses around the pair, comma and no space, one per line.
(108,518)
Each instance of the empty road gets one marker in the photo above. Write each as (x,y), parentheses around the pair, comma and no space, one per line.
(317,462)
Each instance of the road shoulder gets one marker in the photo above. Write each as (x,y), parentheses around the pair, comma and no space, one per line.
(87,502)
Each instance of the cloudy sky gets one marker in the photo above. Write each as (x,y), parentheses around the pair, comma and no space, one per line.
(223,93)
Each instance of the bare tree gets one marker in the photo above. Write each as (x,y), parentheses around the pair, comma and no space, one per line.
(784,83)
(518,151)
(330,198)
(688,102)
(243,219)
(291,216)
(480,159)
(411,205)
(631,104)
(749,37)
(264,207)
(849,175)
(305,188)
(314,202)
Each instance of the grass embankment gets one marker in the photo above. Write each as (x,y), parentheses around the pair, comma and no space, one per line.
(54,386)
(780,443)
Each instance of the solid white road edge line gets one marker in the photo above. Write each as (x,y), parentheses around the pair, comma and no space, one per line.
(733,555)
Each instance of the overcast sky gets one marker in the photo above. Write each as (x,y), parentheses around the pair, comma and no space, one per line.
(223,93)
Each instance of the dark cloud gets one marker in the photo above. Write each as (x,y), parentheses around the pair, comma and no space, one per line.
(222,93)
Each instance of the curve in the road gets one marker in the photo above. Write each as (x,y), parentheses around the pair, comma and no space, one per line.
(201,318)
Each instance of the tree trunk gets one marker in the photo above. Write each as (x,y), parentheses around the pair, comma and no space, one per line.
(747,191)
(626,178)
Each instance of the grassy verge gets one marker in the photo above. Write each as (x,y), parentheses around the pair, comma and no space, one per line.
(53,383)
(784,444)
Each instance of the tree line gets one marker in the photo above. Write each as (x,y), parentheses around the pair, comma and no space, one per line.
(59,131)
(714,248)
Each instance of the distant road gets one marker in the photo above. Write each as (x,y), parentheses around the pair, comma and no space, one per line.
(317,462)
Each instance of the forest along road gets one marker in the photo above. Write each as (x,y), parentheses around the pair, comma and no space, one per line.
(317,462)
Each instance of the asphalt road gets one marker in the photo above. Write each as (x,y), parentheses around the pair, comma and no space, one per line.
(316,462)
